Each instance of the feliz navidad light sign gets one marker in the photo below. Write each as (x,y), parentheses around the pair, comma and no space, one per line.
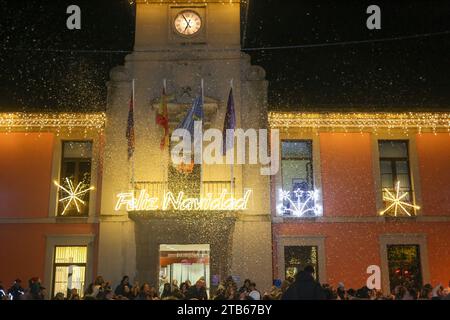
(143,201)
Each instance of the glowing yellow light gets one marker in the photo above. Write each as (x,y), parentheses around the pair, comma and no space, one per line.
(73,194)
(44,121)
(145,202)
(396,202)
(431,121)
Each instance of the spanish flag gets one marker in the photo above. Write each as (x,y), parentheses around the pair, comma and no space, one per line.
(162,119)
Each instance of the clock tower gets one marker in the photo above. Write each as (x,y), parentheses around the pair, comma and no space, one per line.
(182,44)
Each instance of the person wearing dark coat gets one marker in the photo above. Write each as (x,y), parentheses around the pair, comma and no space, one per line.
(305,287)
(16,290)
(121,290)
(197,292)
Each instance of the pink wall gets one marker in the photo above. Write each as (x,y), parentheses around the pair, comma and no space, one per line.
(434,167)
(23,248)
(25,174)
(352,247)
(347,174)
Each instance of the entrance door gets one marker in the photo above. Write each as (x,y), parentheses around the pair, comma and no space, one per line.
(181,262)
(404,266)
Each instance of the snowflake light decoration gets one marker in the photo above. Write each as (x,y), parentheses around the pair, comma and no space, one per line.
(300,204)
(73,194)
(397,202)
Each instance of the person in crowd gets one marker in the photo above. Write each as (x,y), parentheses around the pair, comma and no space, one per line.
(231,293)
(134,293)
(198,292)
(89,293)
(124,287)
(305,287)
(144,292)
(341,293)
(73,294)
(37,292)
(184,287)
(167,291)
(153,293)
(220,293)
(438,292)
(16,290)
(59,296)
(3,295)
(245,287)
(426,292)
(254,293)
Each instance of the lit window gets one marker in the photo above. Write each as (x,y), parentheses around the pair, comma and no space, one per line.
(404,266)
(297,195)
(75,170)
(296,258)
(69,269)
(395,170)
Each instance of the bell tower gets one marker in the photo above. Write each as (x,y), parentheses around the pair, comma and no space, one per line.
(183,44)
(190,25)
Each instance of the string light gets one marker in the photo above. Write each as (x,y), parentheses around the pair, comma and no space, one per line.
(361,121)
(300,204)
(397,202)
(73,194)
(41,121)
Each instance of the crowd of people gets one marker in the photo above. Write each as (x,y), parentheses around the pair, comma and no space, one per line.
(303,287)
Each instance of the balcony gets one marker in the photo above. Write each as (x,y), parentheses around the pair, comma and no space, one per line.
(158,189)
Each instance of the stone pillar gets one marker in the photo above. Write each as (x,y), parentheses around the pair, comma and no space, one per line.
(116,255)
(252,240)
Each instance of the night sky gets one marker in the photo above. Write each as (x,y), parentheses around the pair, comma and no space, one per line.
(42,67)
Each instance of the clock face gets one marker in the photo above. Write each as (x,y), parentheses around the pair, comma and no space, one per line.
(188,23)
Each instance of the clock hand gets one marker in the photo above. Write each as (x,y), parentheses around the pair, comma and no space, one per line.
(188,25)
(185,19)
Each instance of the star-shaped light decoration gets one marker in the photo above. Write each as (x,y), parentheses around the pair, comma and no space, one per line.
(73,194)
(397,202)
(303,204)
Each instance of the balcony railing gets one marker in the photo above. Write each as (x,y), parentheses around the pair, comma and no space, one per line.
(159,188)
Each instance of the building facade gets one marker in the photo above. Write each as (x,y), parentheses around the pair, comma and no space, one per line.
(66,179)
(381,197)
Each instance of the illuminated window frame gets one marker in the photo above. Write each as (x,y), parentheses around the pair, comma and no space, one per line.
(68,264)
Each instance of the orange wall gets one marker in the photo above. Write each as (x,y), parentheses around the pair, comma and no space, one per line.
(23,248)
(434,167)
(347,175)
(25,174)
(352,247)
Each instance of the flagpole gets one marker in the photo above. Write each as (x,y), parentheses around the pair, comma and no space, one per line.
(132,157)
(165,165)
(201,142)
(232,163)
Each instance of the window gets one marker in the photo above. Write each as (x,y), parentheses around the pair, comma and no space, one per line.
(296,258)
(296,165)
(69,269)
(75,170)
(298,196)
(404,266)
(394,167)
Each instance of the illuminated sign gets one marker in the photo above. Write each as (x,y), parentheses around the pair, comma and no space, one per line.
(299,203)
(143,201)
